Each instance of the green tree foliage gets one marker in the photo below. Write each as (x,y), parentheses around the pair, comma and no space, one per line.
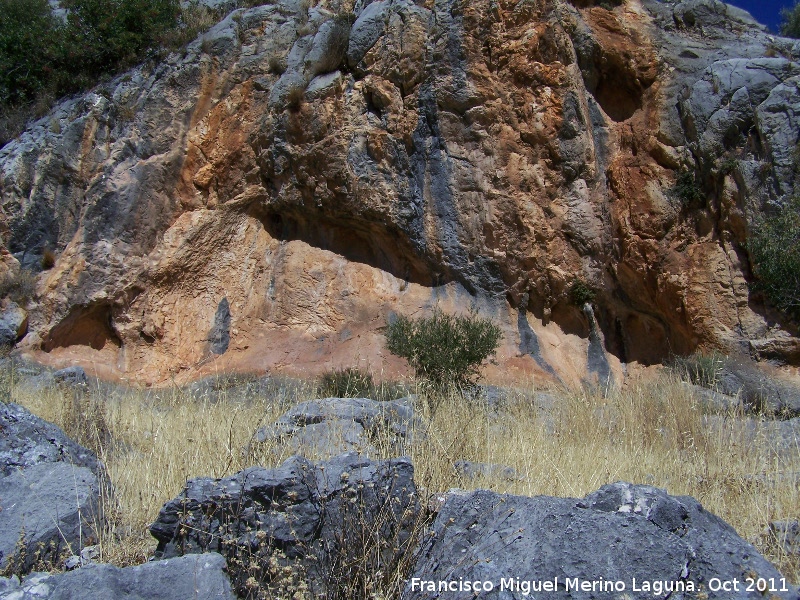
(42,57)
(26,54)
(790,21)
(774,246)
(444,350)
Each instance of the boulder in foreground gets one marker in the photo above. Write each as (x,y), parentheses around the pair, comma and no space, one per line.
(199,577)
(622,541)
(331,526)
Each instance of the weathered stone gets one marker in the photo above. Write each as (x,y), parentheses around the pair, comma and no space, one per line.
(13,324)
(304,514)
(71,376)
(27,441)
(52,507)
(787,534)
(331,426)
(471,155)
(471,470)
(620,533)
(200,577)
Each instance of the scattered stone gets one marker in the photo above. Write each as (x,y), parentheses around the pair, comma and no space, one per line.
(713,401)
(622,532)
(782,437)
(471,470)
(87,556)
(331,426)
(314,517)
(787,533)
(71,376)
(13,324)
(199,577)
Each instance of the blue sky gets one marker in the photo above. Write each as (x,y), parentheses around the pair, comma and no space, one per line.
(767,12)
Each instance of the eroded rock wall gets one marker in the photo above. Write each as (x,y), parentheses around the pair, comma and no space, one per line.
(267,198)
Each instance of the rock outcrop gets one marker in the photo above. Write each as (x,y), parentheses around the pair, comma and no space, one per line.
(50,491)
(638,540)
(264,199)
(200,577)
(319,519)
(331,426)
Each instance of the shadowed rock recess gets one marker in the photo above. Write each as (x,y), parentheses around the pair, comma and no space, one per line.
(269,195)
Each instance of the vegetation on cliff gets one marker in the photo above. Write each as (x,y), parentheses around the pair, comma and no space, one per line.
(44,56)
(790,21)
(775,247)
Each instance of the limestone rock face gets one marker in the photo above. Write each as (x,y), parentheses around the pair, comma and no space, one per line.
(265,199)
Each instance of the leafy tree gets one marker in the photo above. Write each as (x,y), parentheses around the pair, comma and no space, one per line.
(774,246)
(790,21)
(27,28)
(444,350)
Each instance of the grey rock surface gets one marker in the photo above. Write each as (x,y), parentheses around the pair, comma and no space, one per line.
(618,533)
(758,392)
(13,324)
(331,426)
(787,534)
(312,516)
(50,489)
(195,577)
(781,436)
(27,441)
(52,504)
(471,470)
(71,376)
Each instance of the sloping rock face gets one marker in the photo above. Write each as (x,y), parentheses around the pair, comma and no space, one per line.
(267,198)
(636,539)
(322,519)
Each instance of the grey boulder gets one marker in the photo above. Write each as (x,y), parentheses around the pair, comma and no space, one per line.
(313,518)
(50,490)
(13,324)
(27,441)
(200,577)
(639,537)
(50,508)
(331,426)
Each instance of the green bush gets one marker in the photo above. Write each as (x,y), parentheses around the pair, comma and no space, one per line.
(790,21)
(774,247)
(580,293)
(687,189)
(27,32)
(444,350)
(347,383)
(43,58)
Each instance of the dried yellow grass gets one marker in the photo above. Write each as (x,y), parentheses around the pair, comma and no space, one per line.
(650,432)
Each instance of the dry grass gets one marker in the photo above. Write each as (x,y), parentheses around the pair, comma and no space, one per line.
(650,432)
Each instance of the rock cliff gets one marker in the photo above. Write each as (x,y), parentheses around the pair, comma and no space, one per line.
(265,199)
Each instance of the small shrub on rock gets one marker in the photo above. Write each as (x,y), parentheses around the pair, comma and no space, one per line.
(346,383)
(444,350)
(687,189)
(790,21)
(700,368)
(774,247)
(19,287)
(580,293)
